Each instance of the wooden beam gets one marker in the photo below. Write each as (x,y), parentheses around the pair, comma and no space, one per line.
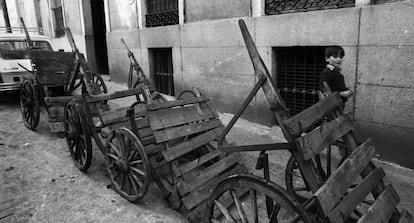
(314,142)
(169,104)
(258,147)
(338,183)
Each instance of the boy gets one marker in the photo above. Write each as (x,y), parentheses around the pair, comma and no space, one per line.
(332,72)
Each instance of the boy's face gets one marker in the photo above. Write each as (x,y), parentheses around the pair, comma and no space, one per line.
(335,60)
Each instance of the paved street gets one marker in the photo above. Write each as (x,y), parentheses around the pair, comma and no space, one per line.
(37,172)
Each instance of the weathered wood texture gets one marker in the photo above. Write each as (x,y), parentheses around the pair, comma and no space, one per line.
(305,120)
(338,183)
(383,207)
(326,134)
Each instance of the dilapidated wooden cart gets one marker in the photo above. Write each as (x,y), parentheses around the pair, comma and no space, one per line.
(352,190)
(173,143)
(56,76)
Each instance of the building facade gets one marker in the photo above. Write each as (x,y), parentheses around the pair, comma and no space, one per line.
(197,43)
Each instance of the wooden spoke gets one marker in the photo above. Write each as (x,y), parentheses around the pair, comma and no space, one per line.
(127,164)
(239,206)
(253,198)
(224,211)
(136,170)
(282,205)
(113,157)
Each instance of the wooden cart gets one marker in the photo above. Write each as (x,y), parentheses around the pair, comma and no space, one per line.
(350,191)
(172,142)
(55,78)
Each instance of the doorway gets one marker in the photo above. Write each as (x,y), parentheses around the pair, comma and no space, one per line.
(99,35)
(162,70)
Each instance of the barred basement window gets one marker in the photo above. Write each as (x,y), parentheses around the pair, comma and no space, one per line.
(298,75)
(58,18)
(161,69)
(273,7)
(161,13)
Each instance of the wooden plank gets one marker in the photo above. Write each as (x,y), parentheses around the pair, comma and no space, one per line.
(165,118)
(303,121)
(60,100)
(119,116)
(56,111)
(52,78)
(318,139)
(208,173)
(200,194)
(111,96)
(56,127)
(180,170)
(177,132)
(258,147)
(342,211)
(53,65)
(51,55)
(383,207)
(338,183)
(154,148)
(405,217)
(169,104)
(188,146)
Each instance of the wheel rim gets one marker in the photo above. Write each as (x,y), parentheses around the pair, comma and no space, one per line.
(326,163)
(127,164)
(78,136)
(29,104)
(98,81)
(243,199)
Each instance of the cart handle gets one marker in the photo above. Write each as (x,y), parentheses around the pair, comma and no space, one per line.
(243,107)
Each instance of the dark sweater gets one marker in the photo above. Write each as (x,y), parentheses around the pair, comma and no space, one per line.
(334,79)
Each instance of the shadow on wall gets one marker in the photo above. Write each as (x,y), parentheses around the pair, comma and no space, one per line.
(393,144)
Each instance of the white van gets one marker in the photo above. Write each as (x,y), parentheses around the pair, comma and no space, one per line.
(12,53)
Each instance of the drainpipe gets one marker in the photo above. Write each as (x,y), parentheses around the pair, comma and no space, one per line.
(5,15)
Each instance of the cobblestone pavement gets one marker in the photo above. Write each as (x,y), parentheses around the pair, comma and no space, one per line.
(36,169)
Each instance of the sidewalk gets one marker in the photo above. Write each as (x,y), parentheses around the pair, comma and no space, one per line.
(248,133)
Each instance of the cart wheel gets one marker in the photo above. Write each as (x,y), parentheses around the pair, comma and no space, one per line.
(98,85)
(242,198)
(127,164)
(30,103)
(78,136)
(187,94)
(326,163)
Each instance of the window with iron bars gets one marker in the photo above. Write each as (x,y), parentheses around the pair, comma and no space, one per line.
(161,13)
(58,16)
(297,75)
(273,7)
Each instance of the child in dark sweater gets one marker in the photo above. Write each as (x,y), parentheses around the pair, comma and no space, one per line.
(332,72)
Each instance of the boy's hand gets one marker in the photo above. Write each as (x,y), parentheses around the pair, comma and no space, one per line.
(347,93)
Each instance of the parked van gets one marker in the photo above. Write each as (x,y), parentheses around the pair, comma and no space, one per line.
(13,51)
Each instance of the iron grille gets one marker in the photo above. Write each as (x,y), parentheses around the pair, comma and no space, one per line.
(60,26)
(163,70)
(273,7)
(161,13)
(298,75)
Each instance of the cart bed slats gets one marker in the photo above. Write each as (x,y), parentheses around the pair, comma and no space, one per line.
(180,170)
(154,148)
(353,198)
(119,115)
(169,104)
(303,121)
(56,111)
(406,217)
(177,132)
(338,183)
(208,173)
(165,118)
(318,139)
(111,96)
(200,194)
(52,62)
(188,146)
(56,127)
(52,78)
(60,100)
(383,207)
